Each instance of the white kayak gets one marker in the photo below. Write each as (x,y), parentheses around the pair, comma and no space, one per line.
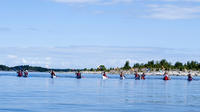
(104,77)
(122,78)
(53,76)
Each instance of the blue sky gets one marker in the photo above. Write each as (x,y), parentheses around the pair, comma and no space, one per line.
(31,31)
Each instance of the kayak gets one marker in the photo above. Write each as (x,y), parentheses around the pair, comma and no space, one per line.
(137,78)
(166,79)
(122,78)
(78,77)
(104,77)
(53,76)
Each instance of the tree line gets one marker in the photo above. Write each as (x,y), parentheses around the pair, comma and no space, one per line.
(150,65)
(164,65)
(31,68)
(153,66)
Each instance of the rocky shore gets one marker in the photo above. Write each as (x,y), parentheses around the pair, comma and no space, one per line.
(172,73)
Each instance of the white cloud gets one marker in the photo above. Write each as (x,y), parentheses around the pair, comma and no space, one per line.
(173,12)
(165,9)
(106,2)
(77,1)
(12,56)
(48,58)
(24,61)
(179,0)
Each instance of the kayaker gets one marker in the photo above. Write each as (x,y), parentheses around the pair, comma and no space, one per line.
(53,75)
(137,76)
(143,76)
(20,73)
(26,73)
(190,77)
(166,77)
(122,75)
(78,75)
(104,75)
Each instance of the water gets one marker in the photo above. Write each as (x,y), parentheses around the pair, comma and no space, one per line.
(39,93)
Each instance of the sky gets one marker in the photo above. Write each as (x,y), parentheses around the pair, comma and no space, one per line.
(87,33)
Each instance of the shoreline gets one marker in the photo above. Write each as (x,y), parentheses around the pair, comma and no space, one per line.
(114,72)
(171,73)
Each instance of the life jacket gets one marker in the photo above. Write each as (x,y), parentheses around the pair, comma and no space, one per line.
(53,74)
(20,74)
(166,78)
(78,75)
(137,75)
(189,77)
(143,77)
(26,73)
(105,75)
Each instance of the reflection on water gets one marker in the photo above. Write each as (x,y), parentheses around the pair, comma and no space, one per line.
(66,93)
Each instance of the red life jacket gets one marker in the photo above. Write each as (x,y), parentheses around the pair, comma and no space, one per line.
(143,77)
(26,73)
(53,74)
(121,75)
(19,73)
(78,74)
(166,78)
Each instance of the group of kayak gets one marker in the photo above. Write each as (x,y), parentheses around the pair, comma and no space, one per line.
(137,76)
(24,73)
(166,77)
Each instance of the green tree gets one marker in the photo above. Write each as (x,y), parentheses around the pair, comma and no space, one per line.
(102,68)
(179,65)
(137,65)
(127,66)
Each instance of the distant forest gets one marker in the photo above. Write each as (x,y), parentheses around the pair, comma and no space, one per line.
(31,68)
(157,66)
(165,65)
(150,65)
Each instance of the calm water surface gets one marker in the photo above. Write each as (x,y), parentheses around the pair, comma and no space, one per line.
(39,93)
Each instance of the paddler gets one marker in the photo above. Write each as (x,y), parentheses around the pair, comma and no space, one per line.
(166,77)
(20,73)
(137,76)
(78,75)
(122,75)
(104,75)
(26,73)
(52,74)
(143,76)
(190,77)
